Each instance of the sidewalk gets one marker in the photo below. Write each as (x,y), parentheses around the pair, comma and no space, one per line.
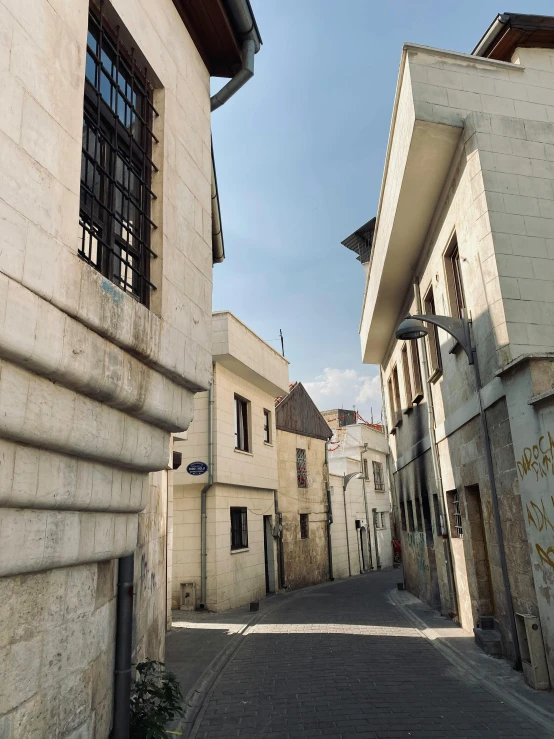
(459,647)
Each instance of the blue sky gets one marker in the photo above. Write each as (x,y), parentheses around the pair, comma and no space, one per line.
(299,155)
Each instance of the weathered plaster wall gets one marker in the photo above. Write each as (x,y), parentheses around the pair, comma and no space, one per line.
(306,560)
(91,382)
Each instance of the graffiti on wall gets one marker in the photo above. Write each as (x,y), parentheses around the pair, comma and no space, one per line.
(416,544)
(541,517)
(537,459)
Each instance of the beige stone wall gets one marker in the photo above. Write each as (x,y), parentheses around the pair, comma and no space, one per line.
(306,560)
(91,382)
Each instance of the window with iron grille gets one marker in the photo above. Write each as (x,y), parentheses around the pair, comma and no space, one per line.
(116,163)
(242,440)
(454,499)
(378,478)
(267,427)
(301,468)
(304,526)
(239,528)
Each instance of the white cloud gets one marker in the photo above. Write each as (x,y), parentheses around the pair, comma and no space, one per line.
(336,388)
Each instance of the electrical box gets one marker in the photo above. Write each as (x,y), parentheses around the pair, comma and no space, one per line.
(188,596)
(533,657)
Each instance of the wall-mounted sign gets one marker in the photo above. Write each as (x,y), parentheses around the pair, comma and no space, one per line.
(197,468)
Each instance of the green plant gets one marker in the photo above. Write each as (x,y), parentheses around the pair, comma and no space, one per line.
(155,700)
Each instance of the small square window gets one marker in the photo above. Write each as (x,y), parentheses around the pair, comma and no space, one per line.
(304,526)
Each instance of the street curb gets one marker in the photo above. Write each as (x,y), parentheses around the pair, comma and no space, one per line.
(533,712)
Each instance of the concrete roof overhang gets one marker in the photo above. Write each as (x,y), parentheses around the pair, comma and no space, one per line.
(419,154)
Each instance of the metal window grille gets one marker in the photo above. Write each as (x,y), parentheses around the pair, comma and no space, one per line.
(242,440)
(239,528)
(304,526)
(301,468)
(458,527)
(378,479)
(267,435)
(116,162)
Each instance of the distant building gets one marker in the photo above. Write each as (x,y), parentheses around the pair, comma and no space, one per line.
(465,229)
(359,447)
(302,435)
(226,515)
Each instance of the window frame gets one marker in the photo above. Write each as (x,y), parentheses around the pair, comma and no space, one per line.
(301,471)
(391,405)
(433,343)
(365,468)
(396,391)
(239,533)
(416,372)
(115,220)
(454,280)
(379,478)
(242,423)
(267,426)
(304,525)
(407,379)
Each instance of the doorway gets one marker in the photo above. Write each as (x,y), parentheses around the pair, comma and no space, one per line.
(479,552)
(269,557)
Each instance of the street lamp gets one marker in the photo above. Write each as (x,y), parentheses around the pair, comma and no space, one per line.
(413,328)
(345,480)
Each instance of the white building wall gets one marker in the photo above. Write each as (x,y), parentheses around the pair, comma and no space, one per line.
(91,383)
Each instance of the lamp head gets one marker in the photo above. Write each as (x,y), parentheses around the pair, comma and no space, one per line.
(411,329)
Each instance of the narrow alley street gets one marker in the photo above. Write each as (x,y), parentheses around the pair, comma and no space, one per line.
(342,661)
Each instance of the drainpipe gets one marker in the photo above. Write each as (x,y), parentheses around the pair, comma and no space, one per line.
(447,541)
(243,22)
(280,552)
(123,649)
(346,528)
(329,513)
(377,557)
(366,507)
(203,496)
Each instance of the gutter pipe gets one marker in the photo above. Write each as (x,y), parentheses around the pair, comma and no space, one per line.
(123,649)
(329,512)
(491,34)
(203,503)
(446,539)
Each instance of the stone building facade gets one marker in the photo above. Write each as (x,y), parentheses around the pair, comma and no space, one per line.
(105,133)
(302,436)
(233,433)
(464,227)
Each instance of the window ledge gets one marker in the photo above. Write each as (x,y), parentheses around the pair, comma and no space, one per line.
(416,399)
(407,410)
(240,551)
(241,451)
(267,443)
(436,374)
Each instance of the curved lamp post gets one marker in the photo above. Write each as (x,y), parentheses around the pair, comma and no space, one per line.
(413,328)
(345,480)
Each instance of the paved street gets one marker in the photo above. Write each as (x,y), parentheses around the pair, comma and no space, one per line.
(341,661)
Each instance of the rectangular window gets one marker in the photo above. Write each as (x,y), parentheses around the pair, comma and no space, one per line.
(396,391)
(116,163)
(381,521)
(454,280)
(304,526)
(378,477)
(391,405)
(435,359)
(403,516)
(242,440)
(301,468)
(417,507)
(366,470)
(455,512)
(239,528)
(416,373)
(406,373)
(410,509)
(438,515)
(267,427)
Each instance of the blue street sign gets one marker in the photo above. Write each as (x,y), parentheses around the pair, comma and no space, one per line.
(197,468)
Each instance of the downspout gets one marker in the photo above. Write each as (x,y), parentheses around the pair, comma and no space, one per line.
(280,552)
(346,526)
(239,80)
(447,541)
(203,496)
(329,512)
(368,534)
(123,649)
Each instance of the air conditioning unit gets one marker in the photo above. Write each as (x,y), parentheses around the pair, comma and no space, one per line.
(533,657)
(188,596)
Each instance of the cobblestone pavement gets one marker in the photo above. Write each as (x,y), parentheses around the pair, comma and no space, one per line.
(342,662)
